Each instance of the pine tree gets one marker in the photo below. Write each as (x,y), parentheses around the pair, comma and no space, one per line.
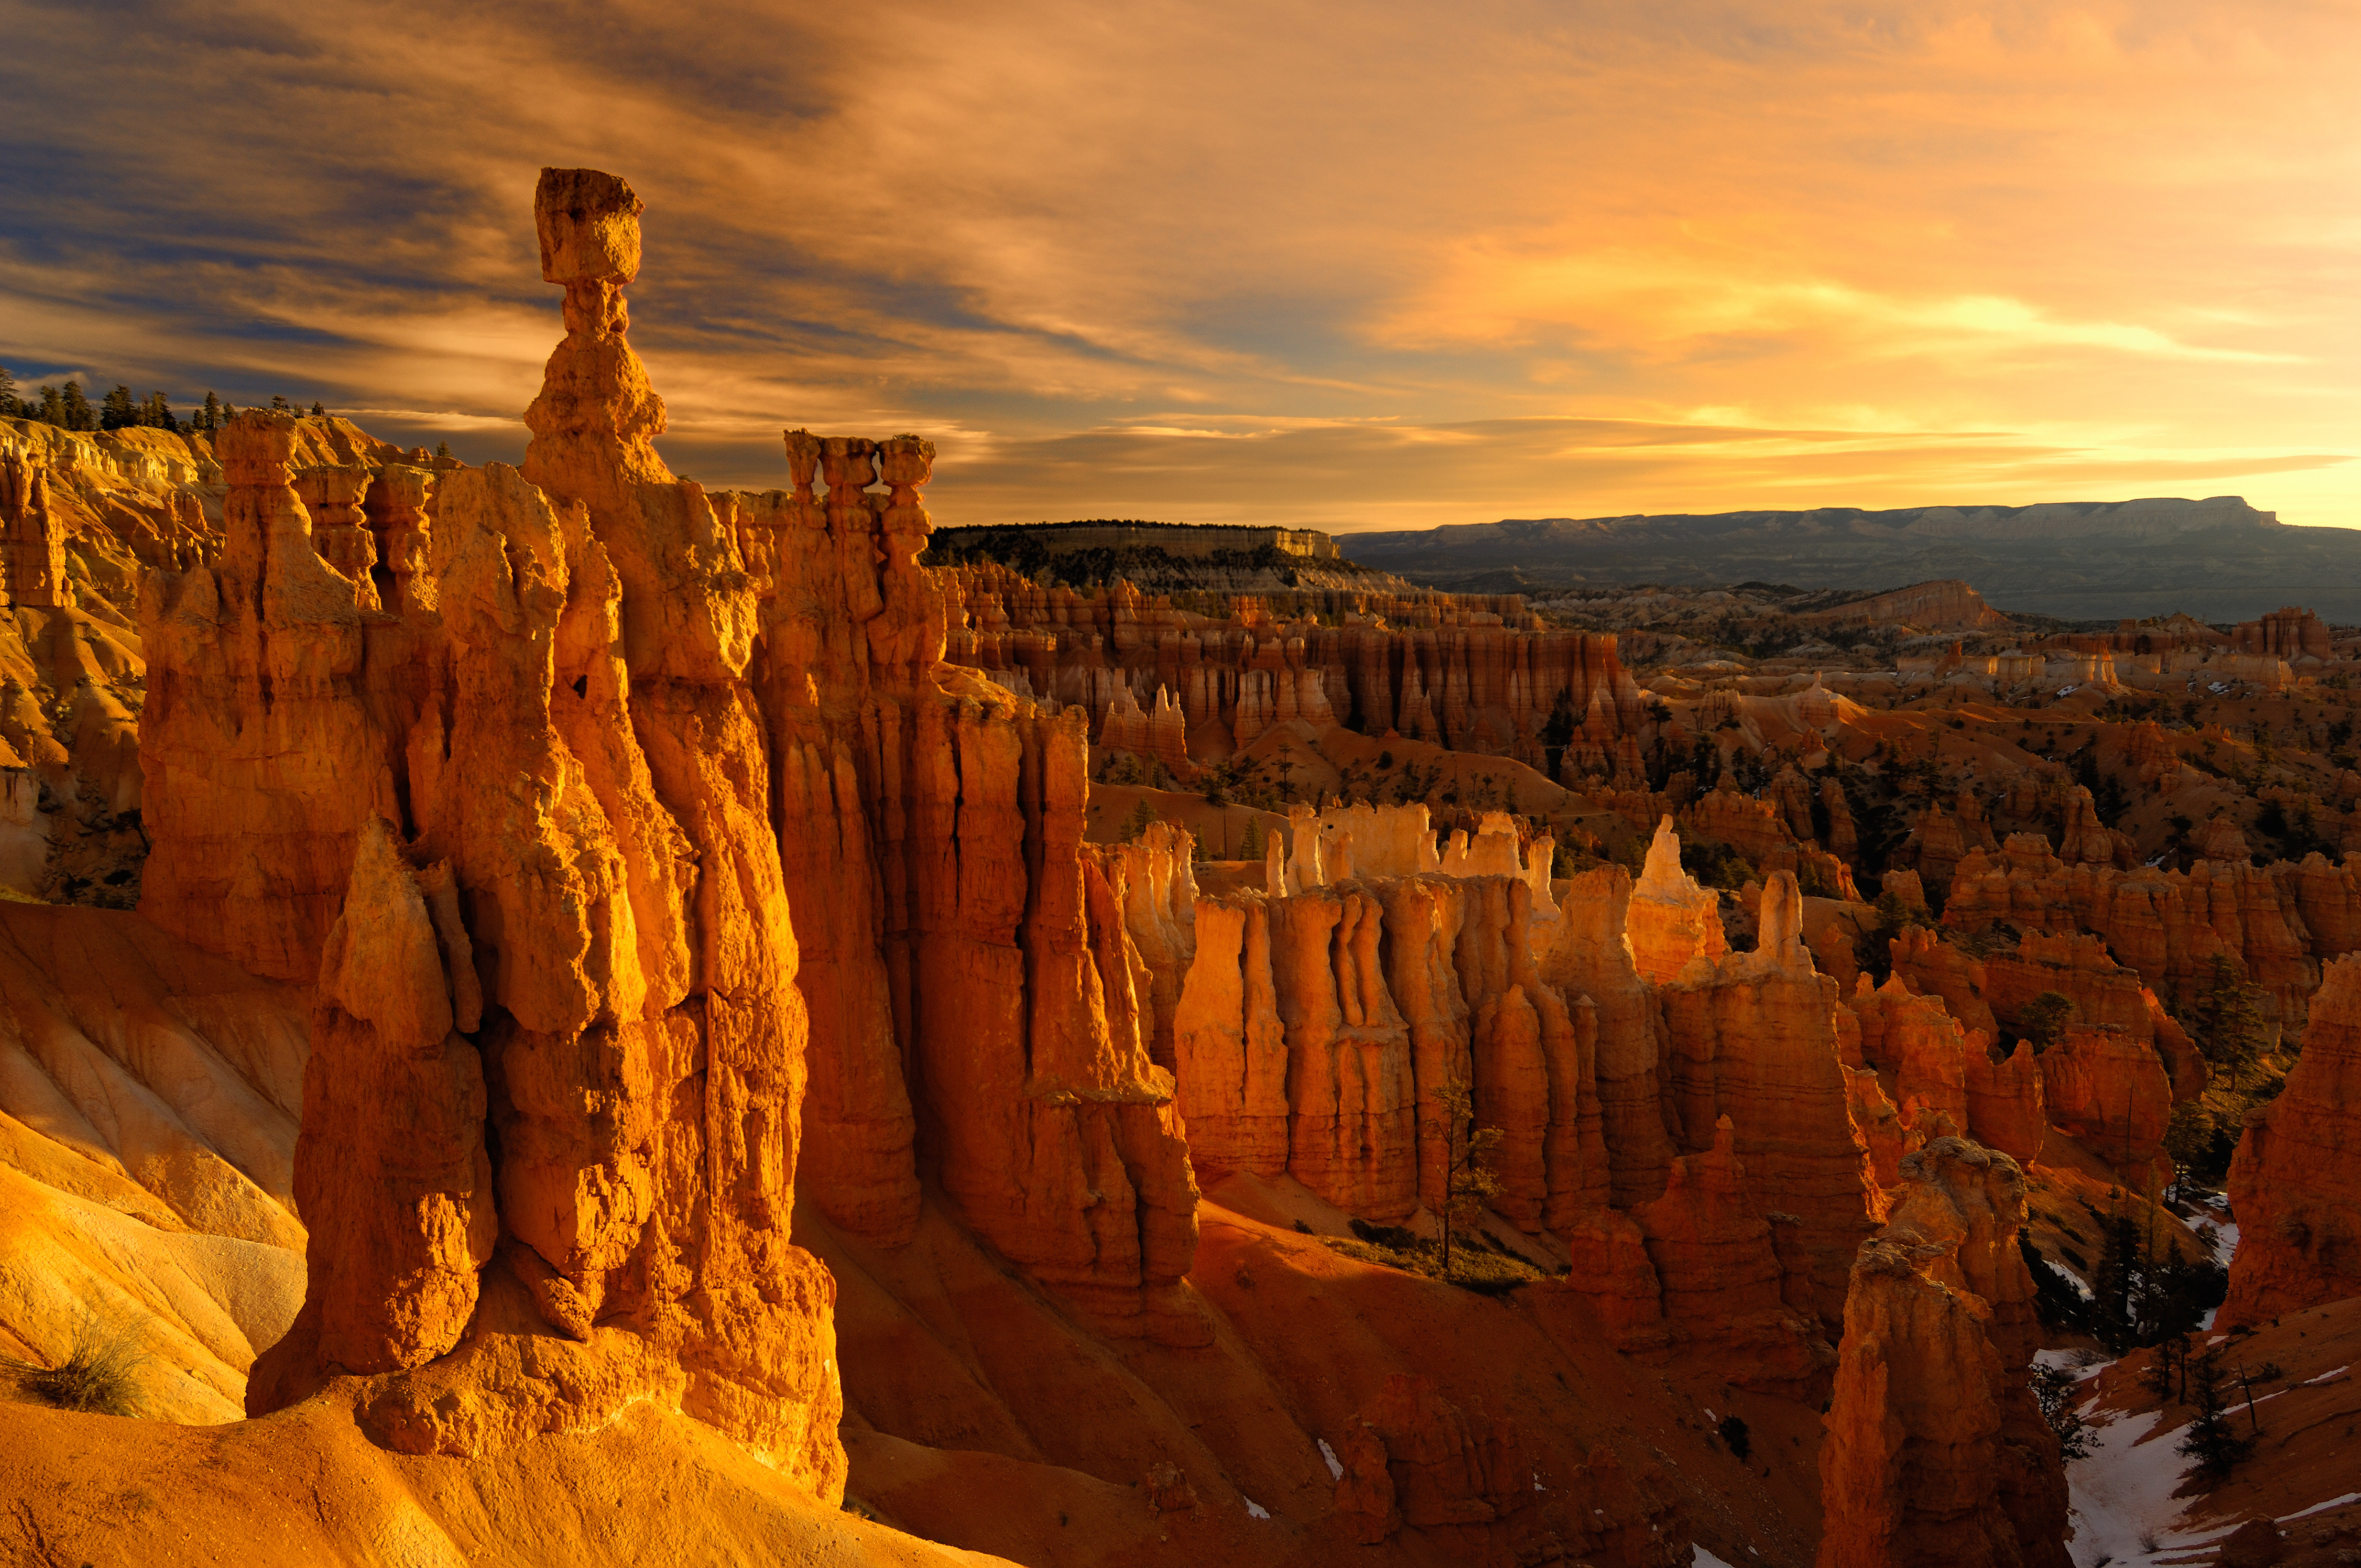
(1250,847)
(2157,1376)
(2210,1438)
(2114,1283)
(317,411)
(2187,1139)
(80,415)
(1469,1184)
(281,405)
(117,411)
(52,409)
(2054,1389)
(8,404)
(210,420)
(2184,1293)
(1136,823)
(2230,1026)
(443,450)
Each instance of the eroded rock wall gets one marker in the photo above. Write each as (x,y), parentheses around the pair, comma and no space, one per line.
(2295,1182)
(1935,1452)
(1443,667)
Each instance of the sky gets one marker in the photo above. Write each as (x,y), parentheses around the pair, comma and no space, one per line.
(1335,266)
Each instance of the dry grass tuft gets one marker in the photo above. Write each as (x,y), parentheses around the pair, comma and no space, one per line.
(99,1374)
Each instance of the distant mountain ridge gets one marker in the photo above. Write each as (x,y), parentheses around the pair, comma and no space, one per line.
(2218,558)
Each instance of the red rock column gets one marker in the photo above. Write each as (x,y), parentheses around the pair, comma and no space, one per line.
(390,1172)
(2295,1183)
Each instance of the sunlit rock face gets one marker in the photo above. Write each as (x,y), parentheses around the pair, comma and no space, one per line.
(1753,1036)
(1672,920)
(555,783)
(1935,1452)
(556,865)
(2295,1183)
(1469,671)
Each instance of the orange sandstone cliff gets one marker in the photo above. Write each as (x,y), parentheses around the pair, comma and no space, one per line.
(2295,1183)
(1936,1452)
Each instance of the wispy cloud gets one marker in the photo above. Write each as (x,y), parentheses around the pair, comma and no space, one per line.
(1281,260)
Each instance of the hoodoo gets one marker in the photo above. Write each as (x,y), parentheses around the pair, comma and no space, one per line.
(2295,1183)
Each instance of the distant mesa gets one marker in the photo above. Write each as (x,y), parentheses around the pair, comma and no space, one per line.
(2219,558)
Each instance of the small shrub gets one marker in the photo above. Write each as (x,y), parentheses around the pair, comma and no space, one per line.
(1476,1264)
(99,1374)
(2043,1021)
(2055,1390)
(1401,1238)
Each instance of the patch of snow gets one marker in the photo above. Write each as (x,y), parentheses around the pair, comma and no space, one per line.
(1335,1465)
(1709,1415)
(2321,1507)
(1537,1481)
(1704,1559)
(1255,1510)
(2222,1236)
(2084,1363)
(2325,1378)
(2123,1490)
(2188,1545)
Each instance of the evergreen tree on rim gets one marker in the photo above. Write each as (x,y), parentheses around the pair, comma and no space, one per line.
(2230,1028)
(1469,1184)
(2211,1439)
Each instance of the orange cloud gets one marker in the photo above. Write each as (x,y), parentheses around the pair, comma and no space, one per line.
(1284,261)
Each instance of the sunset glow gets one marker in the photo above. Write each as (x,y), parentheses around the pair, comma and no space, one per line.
(1344,267)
